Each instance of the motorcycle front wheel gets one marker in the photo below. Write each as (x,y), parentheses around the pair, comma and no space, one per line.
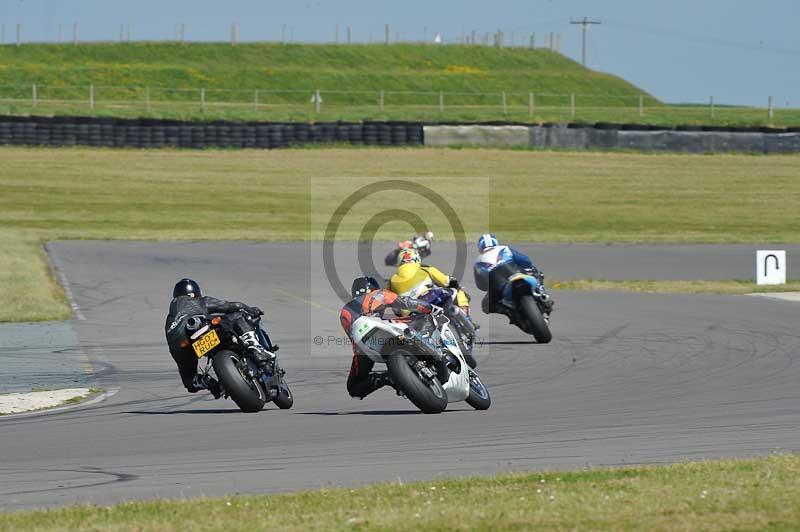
(427,394)
(479,397)
(284,400)
(231,371)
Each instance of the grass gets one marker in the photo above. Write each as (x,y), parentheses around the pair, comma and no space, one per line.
(83,193)
(724,287)
(170,75)
(753,494)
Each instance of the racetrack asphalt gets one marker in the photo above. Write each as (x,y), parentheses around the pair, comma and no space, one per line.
(629,378)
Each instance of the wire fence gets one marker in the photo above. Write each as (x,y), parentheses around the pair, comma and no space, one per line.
(355,104)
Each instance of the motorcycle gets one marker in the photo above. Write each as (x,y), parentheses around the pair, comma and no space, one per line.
(420,243)
(250,386)
(423,359)
(465,330)
(524,300)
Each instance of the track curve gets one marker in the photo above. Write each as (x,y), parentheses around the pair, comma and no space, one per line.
(628,378)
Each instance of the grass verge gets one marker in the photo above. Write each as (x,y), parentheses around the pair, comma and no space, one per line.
(753,494)
(725,287)
(84,193)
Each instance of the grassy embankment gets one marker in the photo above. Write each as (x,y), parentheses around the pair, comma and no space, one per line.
(50,194)
(126,76)
(760,494)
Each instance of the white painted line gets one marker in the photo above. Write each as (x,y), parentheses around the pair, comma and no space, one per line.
(76,310)
(794,297)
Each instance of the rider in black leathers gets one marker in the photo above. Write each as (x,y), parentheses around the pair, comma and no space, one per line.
(188,301)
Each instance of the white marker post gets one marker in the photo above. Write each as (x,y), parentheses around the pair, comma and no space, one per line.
(770,266)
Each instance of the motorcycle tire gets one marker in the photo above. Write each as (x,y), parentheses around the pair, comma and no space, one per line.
(284,400)
(428,396)
(479,397)
(391,258)
(535,318)
(247,394)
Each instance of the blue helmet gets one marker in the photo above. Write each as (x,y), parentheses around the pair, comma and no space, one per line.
(486,241)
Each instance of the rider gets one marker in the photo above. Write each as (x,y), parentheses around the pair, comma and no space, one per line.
(416,279)
(370,300)
(188,301)
(492,254)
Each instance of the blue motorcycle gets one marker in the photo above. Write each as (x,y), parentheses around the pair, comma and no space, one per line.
(523,298)
(466,331)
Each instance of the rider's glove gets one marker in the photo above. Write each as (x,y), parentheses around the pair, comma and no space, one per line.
(255,312)
(453,283)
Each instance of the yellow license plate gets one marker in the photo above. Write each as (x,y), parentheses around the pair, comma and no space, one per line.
(206,343)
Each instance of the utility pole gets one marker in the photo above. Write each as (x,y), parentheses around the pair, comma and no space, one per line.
(585,23)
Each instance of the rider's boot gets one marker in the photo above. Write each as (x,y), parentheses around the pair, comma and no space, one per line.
(379,380)
(256,350)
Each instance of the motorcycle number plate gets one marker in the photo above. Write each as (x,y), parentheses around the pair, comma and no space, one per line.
(206,343)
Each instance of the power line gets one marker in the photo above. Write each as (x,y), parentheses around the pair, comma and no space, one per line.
(703,39)
(584,23)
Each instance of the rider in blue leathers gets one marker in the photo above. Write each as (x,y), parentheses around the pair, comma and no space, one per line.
(492,254)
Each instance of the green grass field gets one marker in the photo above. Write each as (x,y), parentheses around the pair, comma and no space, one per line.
(759,494)
(83,193)
(170,75)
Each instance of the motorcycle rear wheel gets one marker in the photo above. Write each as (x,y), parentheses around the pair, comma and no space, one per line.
(246,393)
(535,318)
(427,394)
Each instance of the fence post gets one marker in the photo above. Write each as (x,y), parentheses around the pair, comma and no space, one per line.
(769,109)
(711,105)
(317,101)
(337,34)
(441,101)
(558,42)
(380,106)
(349,36)
(530,104)
(255,100)
(505,107)
(19,34)
(234,33)
(533,41)
(33,96)
(91,96)
(202,99)
(388,36)
(641,105)
(75,34)
(572,105)
(147,99)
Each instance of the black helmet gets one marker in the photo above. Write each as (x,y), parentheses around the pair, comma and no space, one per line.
(186,287)
(362,285)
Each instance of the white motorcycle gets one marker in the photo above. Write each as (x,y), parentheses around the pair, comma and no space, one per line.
(424,360)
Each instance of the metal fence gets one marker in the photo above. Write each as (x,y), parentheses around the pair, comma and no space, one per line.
(263,103)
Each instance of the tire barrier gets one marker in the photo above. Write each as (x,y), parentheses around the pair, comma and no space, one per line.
(150,133)
(607,136)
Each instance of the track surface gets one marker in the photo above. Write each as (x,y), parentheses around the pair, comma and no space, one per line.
(628,379)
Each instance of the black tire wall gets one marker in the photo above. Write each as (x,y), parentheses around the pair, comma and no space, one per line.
(151,133)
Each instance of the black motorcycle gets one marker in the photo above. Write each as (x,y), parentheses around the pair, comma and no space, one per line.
(523,298)
(250,386)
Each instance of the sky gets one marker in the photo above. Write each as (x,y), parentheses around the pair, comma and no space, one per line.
(740,52)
